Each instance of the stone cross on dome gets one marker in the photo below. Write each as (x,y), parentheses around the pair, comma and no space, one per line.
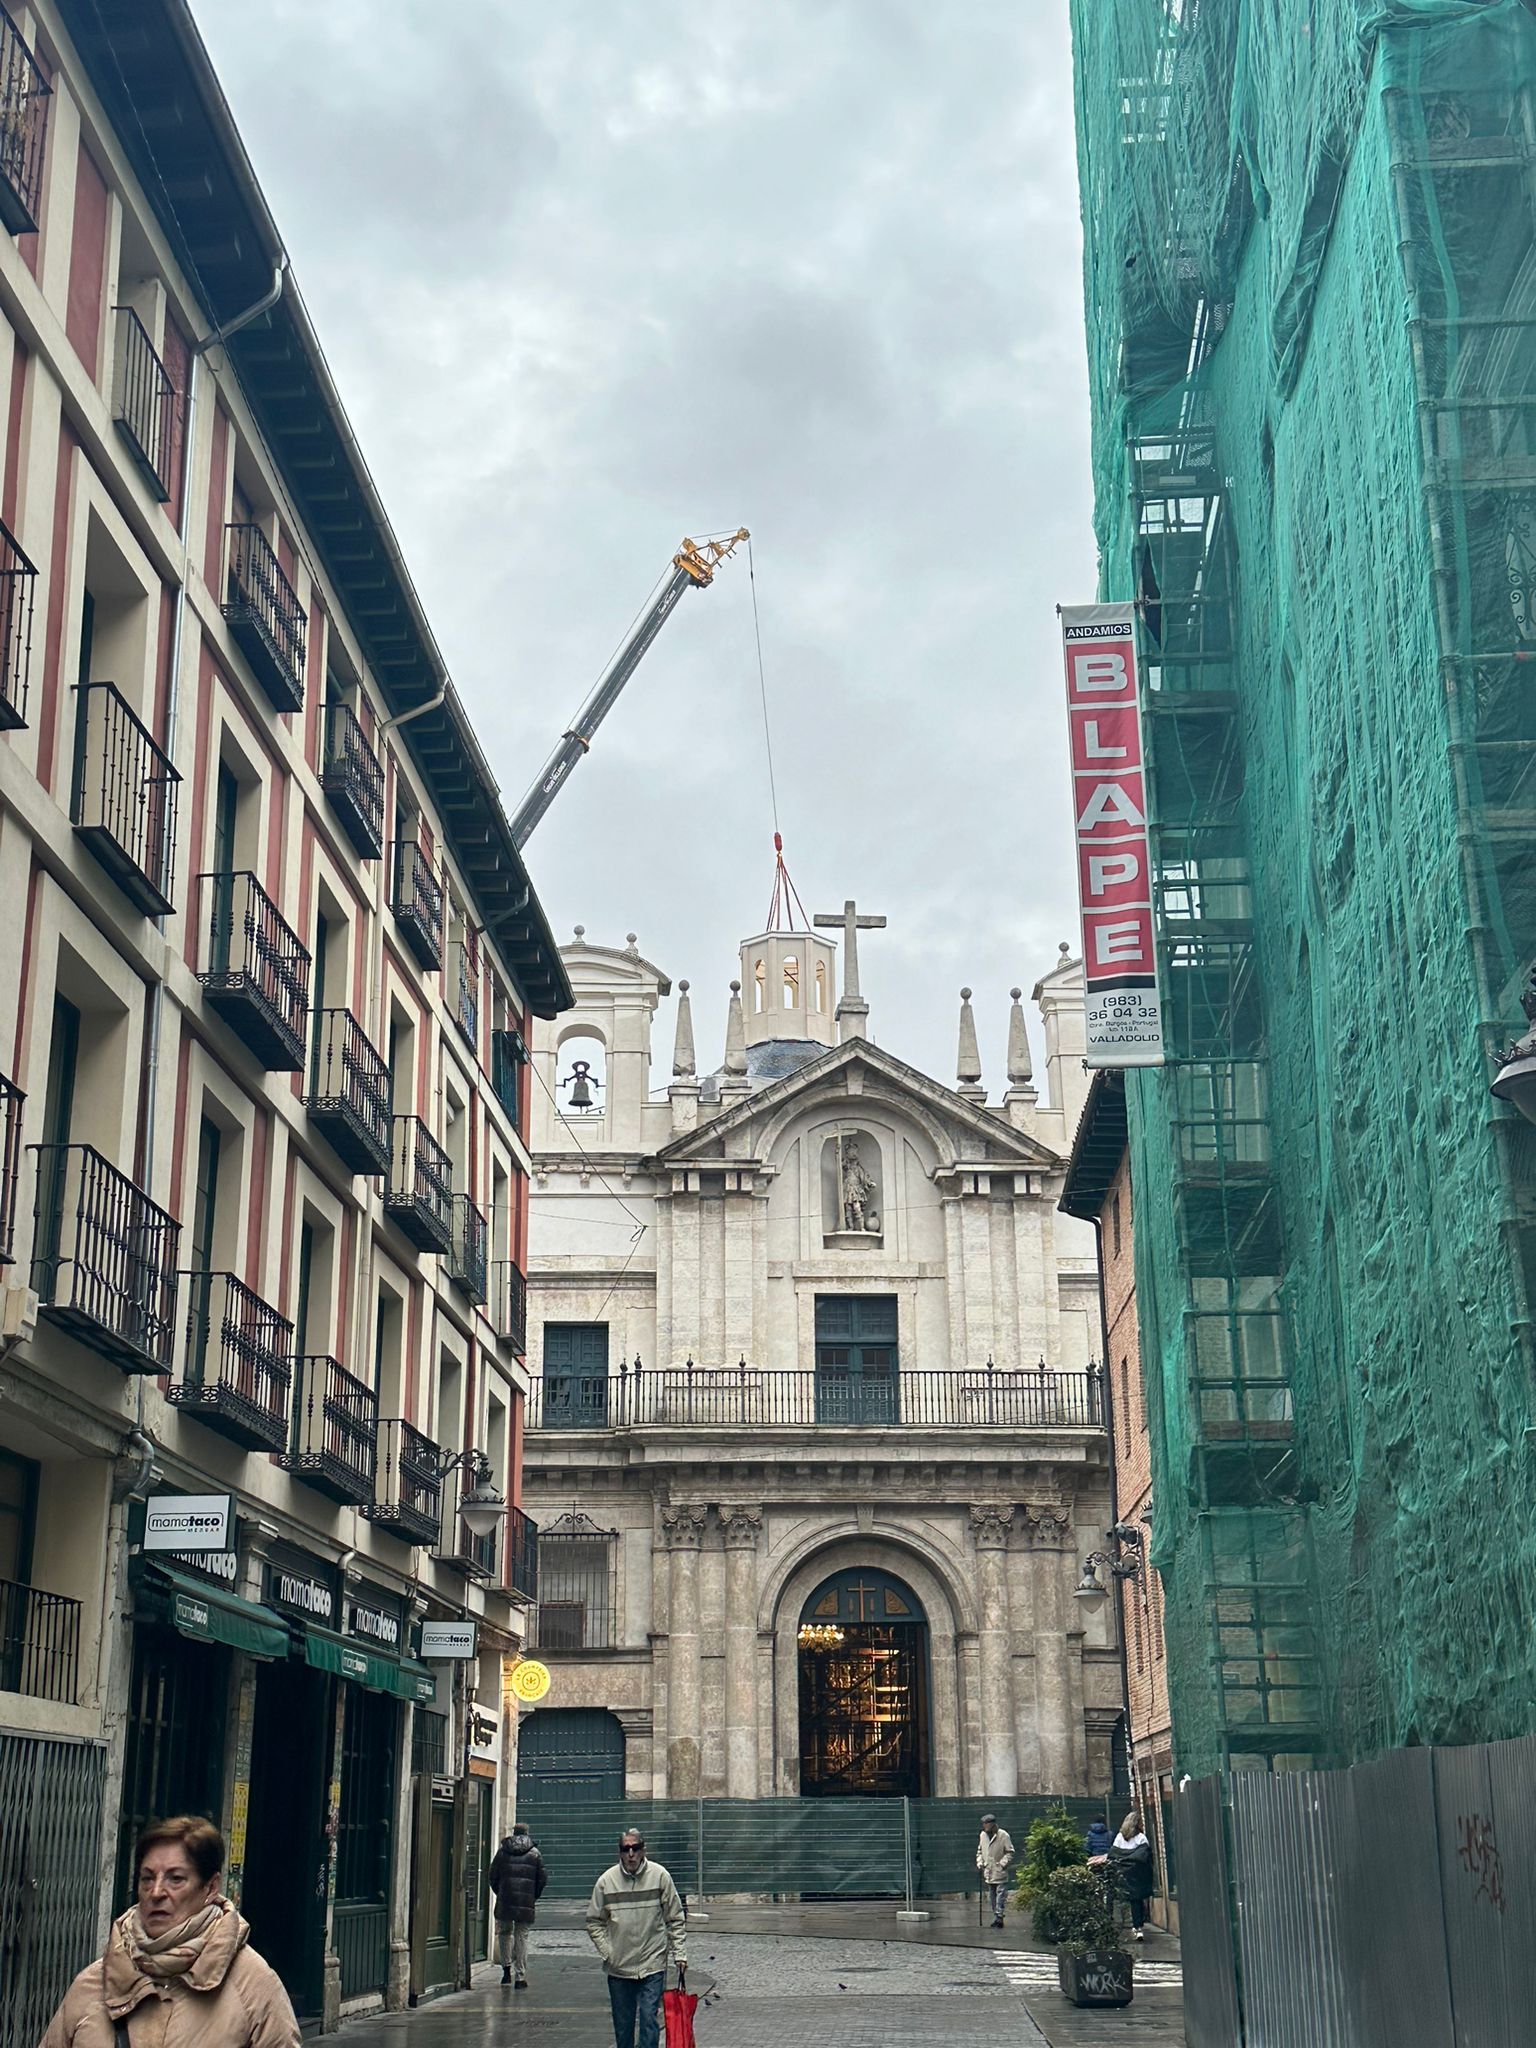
(852,1008)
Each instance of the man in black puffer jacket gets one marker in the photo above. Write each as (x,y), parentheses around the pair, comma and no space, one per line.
(518,1877)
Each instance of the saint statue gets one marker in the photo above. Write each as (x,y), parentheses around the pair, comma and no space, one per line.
(858,1186)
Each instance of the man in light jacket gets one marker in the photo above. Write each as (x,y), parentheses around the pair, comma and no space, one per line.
(637,1925)
(995,1859)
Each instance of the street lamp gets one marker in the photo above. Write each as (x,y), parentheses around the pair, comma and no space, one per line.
(482,1507)
(1124,1536)
(1515,1082)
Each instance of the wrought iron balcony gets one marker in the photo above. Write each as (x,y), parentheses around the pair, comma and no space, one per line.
(418,1196)
(467,1252)
(335,1432)
(254,971)
(349,1092)
(522,1554)
(39,1643)
(265,617)
(11,1099)
(144,402)
(509,1055)
(458,1547)
(24,96)
(124,802)
(18,582)
(464,981)
(509,1304)
(104,1258)
(416,897)
(408,1491)
(237,1374)
(744,1396)
(352,776)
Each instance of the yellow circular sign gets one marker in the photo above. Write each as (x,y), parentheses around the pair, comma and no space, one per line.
(530,1680)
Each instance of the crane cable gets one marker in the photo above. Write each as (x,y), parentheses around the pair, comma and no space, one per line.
(786,897)
(762,685)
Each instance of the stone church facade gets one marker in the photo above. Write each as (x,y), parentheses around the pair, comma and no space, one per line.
(816,1437)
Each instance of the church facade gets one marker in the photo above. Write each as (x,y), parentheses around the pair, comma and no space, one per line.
(816,1434)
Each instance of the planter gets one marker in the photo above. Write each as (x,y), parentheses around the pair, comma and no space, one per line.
(1099,1976)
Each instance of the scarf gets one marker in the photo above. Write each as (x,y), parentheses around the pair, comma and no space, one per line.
(1134,1842)
(173,1953)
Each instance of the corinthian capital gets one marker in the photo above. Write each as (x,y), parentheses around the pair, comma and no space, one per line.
(740,1526)
(1048,1524)
(990,1522)
(683,1527)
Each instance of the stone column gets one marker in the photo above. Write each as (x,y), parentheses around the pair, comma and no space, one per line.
(684,1532)
(1049,1527)
(990,1524)
(740,1527)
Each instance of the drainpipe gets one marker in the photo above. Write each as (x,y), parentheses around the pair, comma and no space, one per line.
(420,711)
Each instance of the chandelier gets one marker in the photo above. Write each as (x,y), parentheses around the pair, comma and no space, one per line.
(820,1635)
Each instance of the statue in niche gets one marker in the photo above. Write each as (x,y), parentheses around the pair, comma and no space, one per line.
(851,1184)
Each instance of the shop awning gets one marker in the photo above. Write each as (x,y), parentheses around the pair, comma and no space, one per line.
(375,1669)
(208,1614)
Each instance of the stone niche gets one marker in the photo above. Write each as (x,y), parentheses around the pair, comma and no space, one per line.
(852,1192)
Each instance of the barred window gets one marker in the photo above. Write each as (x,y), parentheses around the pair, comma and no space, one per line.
(576,1573)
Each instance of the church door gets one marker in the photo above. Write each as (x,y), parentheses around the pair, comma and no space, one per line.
(575,1376)
(863,1641)
(856,1358)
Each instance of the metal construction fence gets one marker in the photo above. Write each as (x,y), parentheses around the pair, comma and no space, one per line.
(50,1841)
(1388,1903)
(803,1848)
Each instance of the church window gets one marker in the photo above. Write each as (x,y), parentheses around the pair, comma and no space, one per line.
(852,1190)
(791,975)
(821,988)
(575,1381)
(759,985)
(856,1372)
(576,1572)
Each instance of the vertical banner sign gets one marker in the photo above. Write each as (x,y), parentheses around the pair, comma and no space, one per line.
(1109,810)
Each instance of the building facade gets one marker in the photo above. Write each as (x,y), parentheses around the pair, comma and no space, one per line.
(1312,333)
(817,1441)
(273,962)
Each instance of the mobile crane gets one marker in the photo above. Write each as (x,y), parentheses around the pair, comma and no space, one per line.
(693,567)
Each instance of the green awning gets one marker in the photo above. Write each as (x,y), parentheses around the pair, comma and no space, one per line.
(375,1669)
(207,1614)
(420,1681)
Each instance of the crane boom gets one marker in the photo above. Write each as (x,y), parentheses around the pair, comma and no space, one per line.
(693,567)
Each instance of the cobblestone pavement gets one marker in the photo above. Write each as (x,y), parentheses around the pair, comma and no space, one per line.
(801,1990)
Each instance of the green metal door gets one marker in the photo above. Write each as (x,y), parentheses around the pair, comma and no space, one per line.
(575,1375)
(856,1358)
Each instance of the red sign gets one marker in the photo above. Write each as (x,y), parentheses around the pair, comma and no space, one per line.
(1109,810)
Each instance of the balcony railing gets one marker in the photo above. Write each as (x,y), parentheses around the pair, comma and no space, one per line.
(39,1643)
(335,1432)
(475,1556)
(265,617)
(419,1196)
(124,804)
(254,971)
(237,1374)
(24,95)
(416,897)
(408,1491)
(11,1099)
(349,1092)
(465,983)
(467,1252)
(509,1305)
(742,1396)
(18,583)
(104,1258)
(509,1055)
(353,778)
(144,402)
(522,1554)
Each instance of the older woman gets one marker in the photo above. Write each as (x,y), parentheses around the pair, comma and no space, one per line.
(178,1969)
(1130,1858)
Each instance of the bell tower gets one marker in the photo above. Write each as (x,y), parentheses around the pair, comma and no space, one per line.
(789,988)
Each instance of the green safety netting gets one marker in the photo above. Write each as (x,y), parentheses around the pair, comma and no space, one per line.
(1310,263)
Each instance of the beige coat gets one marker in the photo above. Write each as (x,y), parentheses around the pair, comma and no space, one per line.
(994,1856)
(229,1998)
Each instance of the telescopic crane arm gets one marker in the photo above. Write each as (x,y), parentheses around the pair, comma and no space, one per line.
(693,567)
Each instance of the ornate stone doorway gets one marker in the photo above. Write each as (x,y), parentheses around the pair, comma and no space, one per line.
(864,1708)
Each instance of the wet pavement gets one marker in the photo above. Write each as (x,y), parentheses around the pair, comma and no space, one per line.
(836,1975)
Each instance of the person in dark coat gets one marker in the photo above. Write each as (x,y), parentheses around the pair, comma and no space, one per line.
(518,1877)
(1097,1841)
(1130,1858)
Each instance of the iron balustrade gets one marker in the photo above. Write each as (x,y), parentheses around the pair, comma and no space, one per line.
(24,96)
(255,972)
(522,1573)
(124,800)
(509,1055)
(467,1253)
(466,983)
(408,1489)
(744,1396)
(265,616)
(419,1192)
(18,585)
(349,1092)
(475,1556)
(104,1258)
(510,1292)
(11,1100)
(416,898)
(335,1431)
(352,776)
(39,1643)
(144,402)
(237,1372)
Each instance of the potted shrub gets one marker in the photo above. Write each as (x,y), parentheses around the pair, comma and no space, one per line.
(1054,1842)
(1074,1912)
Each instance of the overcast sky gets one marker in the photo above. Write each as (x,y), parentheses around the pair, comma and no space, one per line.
(594,277)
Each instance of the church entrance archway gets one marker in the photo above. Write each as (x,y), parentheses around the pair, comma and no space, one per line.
(570,1753)
(864,1708)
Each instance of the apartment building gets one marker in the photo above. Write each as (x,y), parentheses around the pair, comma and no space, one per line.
(273,960)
